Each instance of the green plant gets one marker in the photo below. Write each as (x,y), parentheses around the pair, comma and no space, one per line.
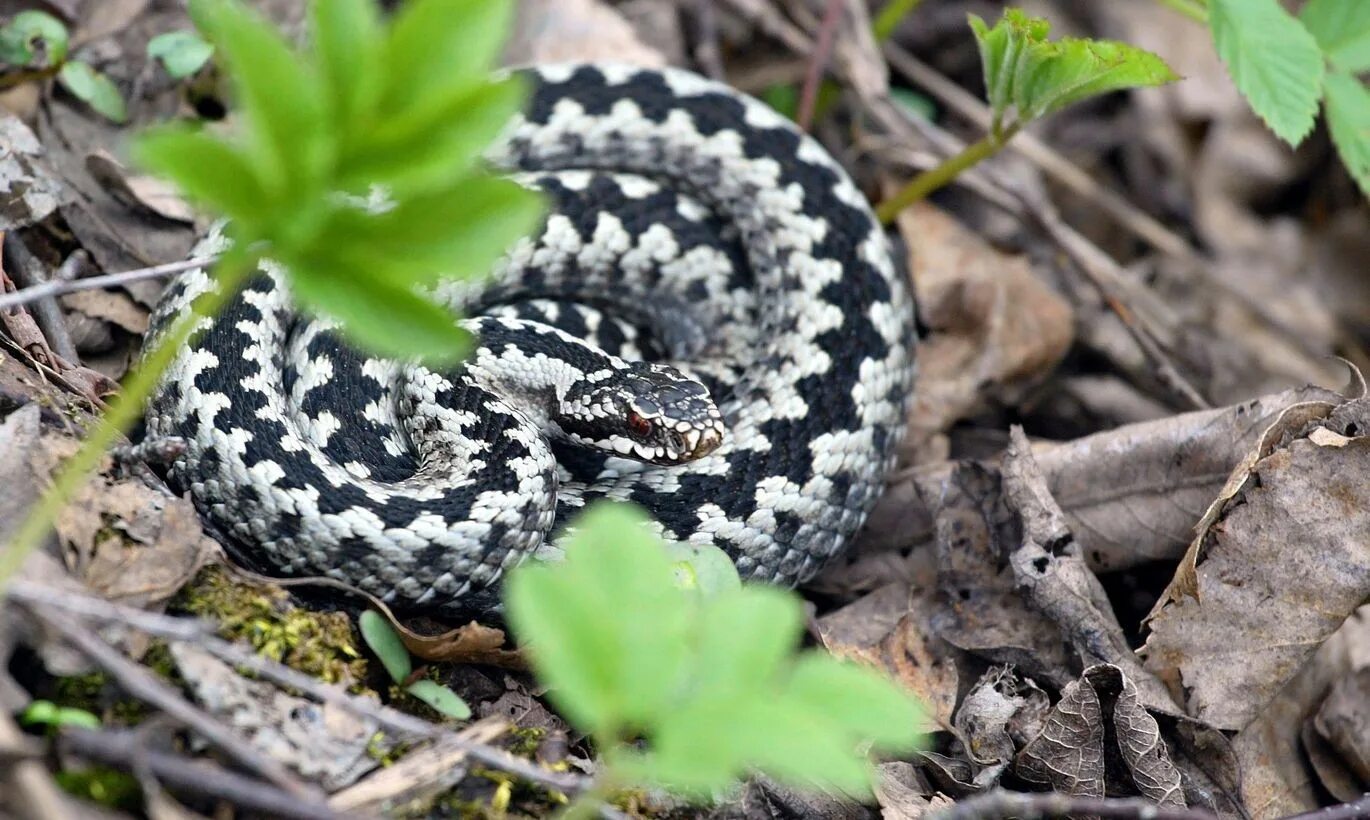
(406,106)
(36,44)
(181,53)
(690,688)
(386,643)
(1285,66)
(1028,77)
(47,713)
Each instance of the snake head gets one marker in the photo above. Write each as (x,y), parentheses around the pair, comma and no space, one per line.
(646,411)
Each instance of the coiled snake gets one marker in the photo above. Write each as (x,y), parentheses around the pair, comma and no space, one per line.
(692,227)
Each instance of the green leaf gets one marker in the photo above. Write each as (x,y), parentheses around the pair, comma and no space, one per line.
(381,315)
(1348,118)
(182,53)
(94,89)
(26,32)
(863,702)
(744,636)
(914,103)
(440,698)
(607,628)
(454,233)
(1273,60)
(1054,75)
(384,641)
(207,170)
(1342,29)
(47,713)
(346,38)
(279,95)
(437,45)
(703,568)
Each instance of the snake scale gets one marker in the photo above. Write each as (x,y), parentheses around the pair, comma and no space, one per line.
(710,324)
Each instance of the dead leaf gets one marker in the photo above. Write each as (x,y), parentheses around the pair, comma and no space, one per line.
(472,643)
(902,795)
(109,306)
(999,699)
(555,31)
(152,194)
(31,191)
(1344,722)
(1284,564)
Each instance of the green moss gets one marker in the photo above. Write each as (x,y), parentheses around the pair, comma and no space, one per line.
(108,787)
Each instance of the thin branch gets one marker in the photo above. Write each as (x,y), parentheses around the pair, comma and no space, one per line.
(998,804)
(57,287)
(201,634)
(818,64)
(27,271)
(932,179)
(124,750)
(1342,811)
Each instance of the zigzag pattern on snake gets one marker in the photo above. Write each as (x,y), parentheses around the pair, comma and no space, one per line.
(691,227)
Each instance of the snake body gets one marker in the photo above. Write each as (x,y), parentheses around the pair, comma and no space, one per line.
(694,233)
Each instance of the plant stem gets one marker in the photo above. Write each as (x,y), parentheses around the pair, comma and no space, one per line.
(1193,9)
(124,410)
(890,16)
(933,178)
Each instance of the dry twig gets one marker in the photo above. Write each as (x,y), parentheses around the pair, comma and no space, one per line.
(997,804)
(57,287)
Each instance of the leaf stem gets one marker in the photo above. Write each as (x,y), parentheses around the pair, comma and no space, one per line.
(890,16)
(934,178)
(123,411)
(1193,9)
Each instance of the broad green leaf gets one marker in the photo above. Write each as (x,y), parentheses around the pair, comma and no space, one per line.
(437,45)
(453,233)
(703,568)
(1342,29)
(606,628)
(182,53)
(383,640)
(1053,75)
(279,95)
(914,103)
(1348,118)
(94,89)
(21,38)
(863,702)
(1273,60)
(379,314)
(440,698)
(47,713)
(435,141)
(208,171)
(346,40)
(744,636)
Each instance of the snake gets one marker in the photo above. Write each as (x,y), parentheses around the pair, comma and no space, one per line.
(710,323)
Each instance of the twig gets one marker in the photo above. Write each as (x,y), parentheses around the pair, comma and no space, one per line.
(1342,811)
(32,792)
(997,804)
(141,684)
(200,633)
(124,750)
(56,287)
(818,63)
(934,178)
(706,50)
(28,272)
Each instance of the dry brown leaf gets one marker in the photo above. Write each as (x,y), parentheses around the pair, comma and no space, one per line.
(31,191)
(139,190)
(902,795)
(555,31)
(1283,565)
(472,643)
(109,306)
(1344,722)
(992,718)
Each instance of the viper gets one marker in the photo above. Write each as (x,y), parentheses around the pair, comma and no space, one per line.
(710,324)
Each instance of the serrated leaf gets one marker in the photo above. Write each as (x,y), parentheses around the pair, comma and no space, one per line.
(94,89)
(743,637)
(863,702)
(995,62)
(1342,29)
(346,39)
(279,95)
(440,698)
(378,314)
(458,232)
(182,53)
(386,643)
(1273,60)
(607,628)
(435,45)
(207,170)
(436,140)
(1053,75)
(1348,118)
(26,30)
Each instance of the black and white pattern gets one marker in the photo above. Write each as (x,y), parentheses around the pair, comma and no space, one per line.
(691,225)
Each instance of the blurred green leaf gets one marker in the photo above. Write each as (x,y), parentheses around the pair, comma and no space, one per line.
(209,171)
(1348,118)
(703,568)
(441,698)
(743,636)
(94,89)
(437,47)
(1273,60)
(914,103)
(47,713)
(864,703)
(347,44)
(30,32)
(182,53)
(383,640)
(1342,29)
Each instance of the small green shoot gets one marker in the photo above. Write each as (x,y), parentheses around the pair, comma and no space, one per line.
(37,43)
(46,713)
(710,682)
(181,53)
(94,89)
(386,643)
(1028,77)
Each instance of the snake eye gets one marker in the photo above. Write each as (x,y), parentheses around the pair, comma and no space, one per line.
(638,424)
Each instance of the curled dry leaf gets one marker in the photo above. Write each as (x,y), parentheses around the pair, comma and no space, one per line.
(902,794)
(30,189)
(1278,566)
(138,190)
(992,720)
